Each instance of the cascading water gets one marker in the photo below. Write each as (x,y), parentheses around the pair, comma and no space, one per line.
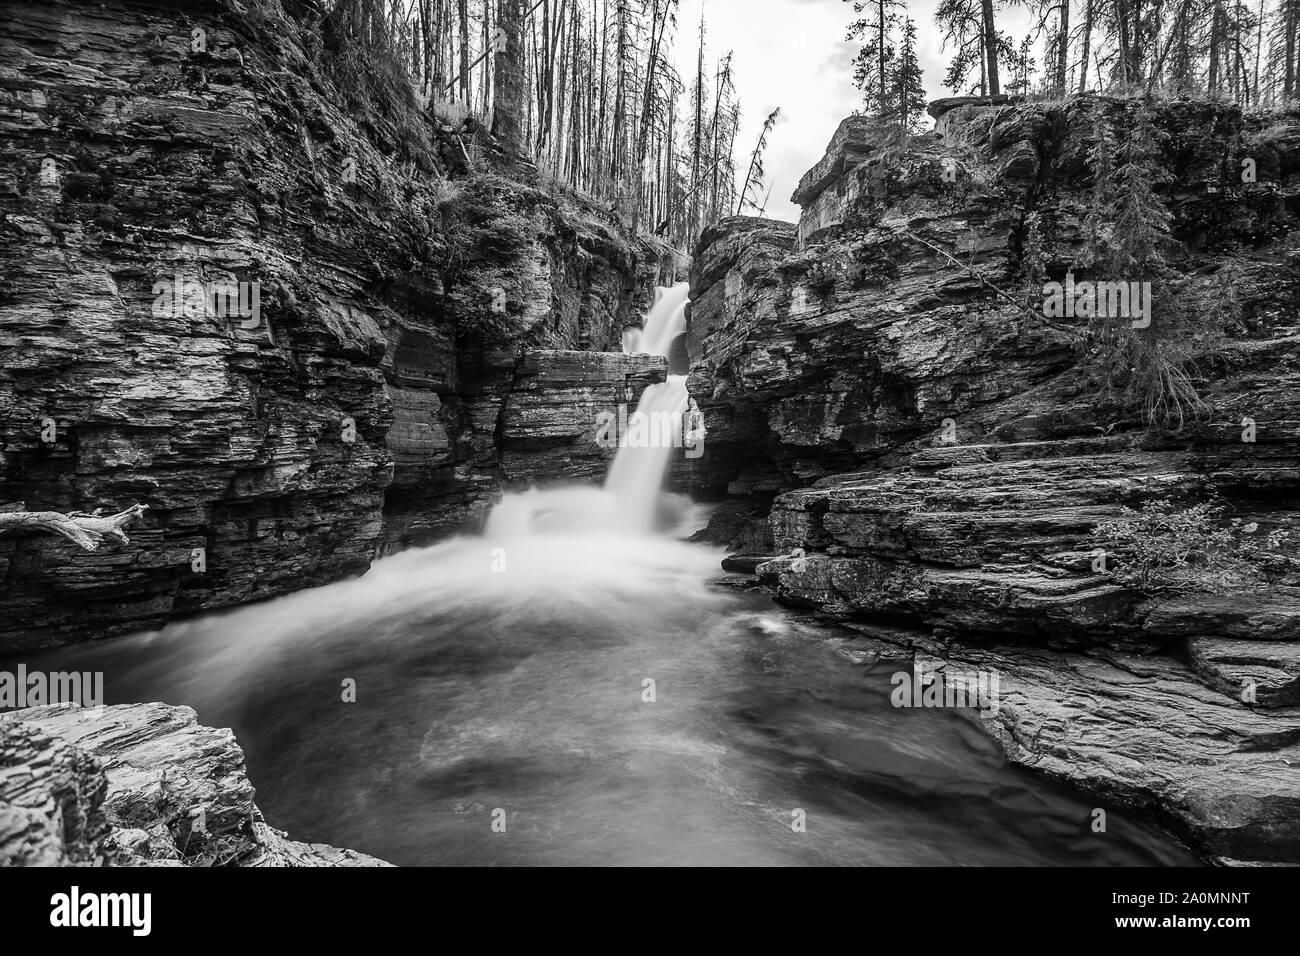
(630,499)
(637,473)
(583,677)
(666,321)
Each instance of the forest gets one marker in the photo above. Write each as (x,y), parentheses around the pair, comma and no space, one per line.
(604,110)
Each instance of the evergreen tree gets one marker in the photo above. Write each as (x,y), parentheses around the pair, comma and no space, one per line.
(1021,62)
(872,66)
(906,90)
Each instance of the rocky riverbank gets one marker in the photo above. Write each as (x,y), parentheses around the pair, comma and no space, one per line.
(135,785)
(939,456)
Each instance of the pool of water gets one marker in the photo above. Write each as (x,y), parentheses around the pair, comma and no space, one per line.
(508,682)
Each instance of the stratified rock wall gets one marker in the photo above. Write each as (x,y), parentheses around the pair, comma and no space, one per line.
(845,342)
(400,283)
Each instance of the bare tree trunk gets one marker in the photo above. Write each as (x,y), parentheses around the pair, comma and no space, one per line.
(601,114)
(880,43)
(1087,42)
(509,90)
(723,78)
(545,54)
(1063,51)
(1259,45)
(621,53)
(463,10)
(1289,51)
(488,61)
(1137,36)
(1125,41)
(1240,90)
(439,66)
(698,134)
(991,47)
(1213,79)
(731,150)
(658,20)
(568,24)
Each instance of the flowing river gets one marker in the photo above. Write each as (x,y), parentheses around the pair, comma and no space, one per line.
(583,680)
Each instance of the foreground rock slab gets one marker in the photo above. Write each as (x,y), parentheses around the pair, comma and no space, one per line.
(135,785)
(1142,730)
(1139,731)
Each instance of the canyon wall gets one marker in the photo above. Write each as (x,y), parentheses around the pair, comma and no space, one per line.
(891,414)
(416,311)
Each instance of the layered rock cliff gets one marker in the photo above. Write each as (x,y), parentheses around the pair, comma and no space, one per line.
(135,785)
(883,391)
(414,310)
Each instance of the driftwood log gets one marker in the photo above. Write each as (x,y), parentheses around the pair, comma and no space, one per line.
(86,530)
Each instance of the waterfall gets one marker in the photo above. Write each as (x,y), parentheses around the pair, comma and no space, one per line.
(666,321)
(630,500)
(644,451)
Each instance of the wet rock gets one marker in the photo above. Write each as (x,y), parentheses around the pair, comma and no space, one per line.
(744,563)
(1145,733)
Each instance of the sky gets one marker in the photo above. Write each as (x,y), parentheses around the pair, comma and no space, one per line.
(792,54)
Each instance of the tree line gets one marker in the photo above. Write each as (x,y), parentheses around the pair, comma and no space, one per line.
(1242,50)
(587,91)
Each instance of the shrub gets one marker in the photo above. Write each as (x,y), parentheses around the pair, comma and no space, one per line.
(1162,548)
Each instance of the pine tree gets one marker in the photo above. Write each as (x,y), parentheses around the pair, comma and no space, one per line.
(873,63)
(1150,369)
(1021,62)
(1096,224)
(906,90)
(1141,219)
